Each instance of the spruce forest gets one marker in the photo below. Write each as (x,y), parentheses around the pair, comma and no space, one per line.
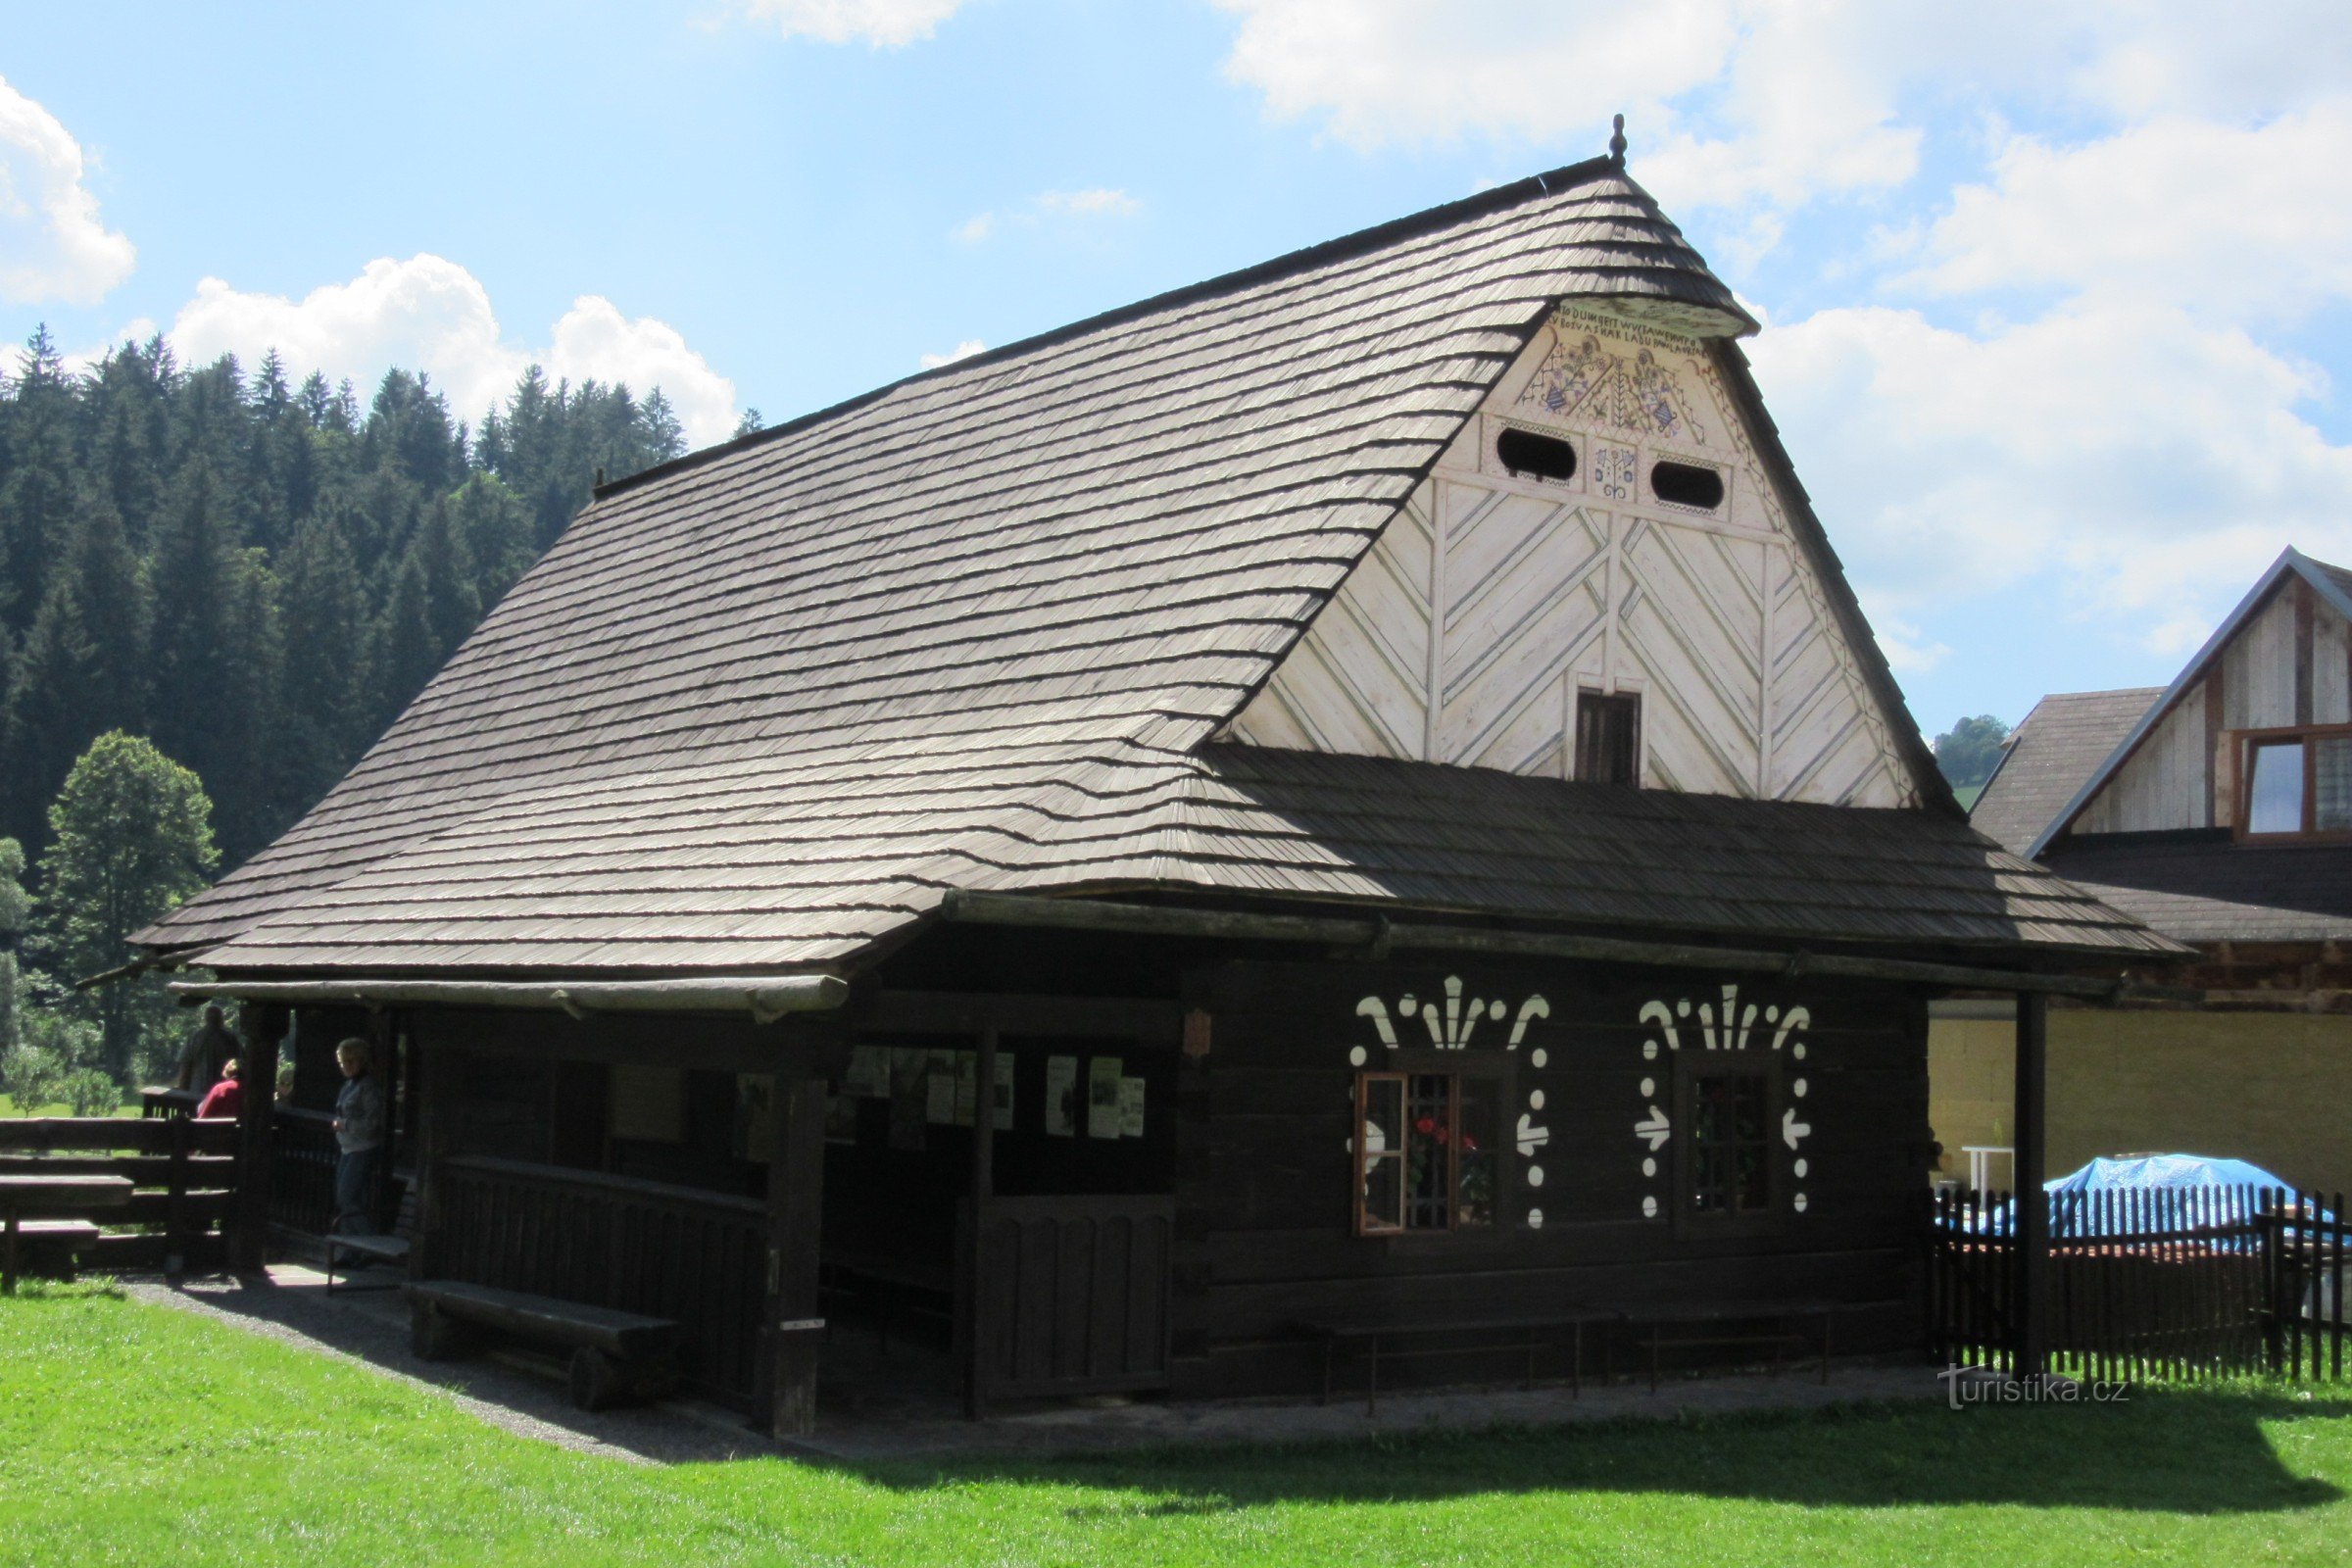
(255,574)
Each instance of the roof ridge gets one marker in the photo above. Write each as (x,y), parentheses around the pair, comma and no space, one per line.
(1446,215)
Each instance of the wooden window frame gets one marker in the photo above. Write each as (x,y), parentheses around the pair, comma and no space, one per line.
(1690,1069)
(1402,1066)
(2244,744)
(1576,746)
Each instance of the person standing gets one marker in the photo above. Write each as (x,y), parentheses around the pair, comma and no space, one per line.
(359,1125)
(202,1055)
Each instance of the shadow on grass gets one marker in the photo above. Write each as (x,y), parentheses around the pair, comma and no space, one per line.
(2178,1451)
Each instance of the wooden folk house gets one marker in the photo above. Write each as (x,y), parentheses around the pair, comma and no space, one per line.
(2218,812)
(1351,795)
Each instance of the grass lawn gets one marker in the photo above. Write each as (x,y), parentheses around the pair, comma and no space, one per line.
(8,1107)
(136,1434)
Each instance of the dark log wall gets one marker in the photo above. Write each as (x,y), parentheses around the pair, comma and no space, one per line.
(1265,1224)
(882,1199)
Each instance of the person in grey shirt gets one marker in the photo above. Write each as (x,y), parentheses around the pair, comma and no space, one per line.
(359,1125)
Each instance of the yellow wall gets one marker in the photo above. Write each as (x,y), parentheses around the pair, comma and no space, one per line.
(2270,1087)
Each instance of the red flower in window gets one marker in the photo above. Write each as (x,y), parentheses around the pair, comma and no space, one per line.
(1426,1125)
(1469,1144)
(1440,1135)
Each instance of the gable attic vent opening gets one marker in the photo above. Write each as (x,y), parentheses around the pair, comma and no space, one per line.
(1545,457)
(1687,484)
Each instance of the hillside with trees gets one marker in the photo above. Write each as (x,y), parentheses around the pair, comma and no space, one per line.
(254,573)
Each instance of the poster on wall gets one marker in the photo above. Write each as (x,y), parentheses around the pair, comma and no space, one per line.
(967,1087)
(1061,1096)
(1103,1075)
(1004,1092)
(868,1074)
(755,1118)
(939,1100)
(910,1089)
(1131,1107)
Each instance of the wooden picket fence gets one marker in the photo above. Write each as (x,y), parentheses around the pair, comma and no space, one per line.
(2184,1283)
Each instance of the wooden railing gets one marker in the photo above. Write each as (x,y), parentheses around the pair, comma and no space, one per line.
(1072,1293)
(162,1104)
(184,1175)
(302,1170)
(678,1252)
(2169,1283)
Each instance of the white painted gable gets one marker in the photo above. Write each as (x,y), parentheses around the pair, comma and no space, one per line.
(1466,632)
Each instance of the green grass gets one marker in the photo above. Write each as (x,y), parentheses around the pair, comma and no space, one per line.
(8,1107)
(137,1433)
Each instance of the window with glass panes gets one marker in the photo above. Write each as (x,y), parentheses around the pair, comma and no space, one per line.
(2297,783)
(1727,1164)
(1426,1150)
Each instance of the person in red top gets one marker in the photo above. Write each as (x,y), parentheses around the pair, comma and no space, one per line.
(222,1100)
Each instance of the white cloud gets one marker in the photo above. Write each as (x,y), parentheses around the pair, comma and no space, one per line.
(2229,221)
(961,351)
(882,23)
(1065,206)
(431,314)
(1908,650)
(1382,72)
(2154,461)
(53,244)
(1742,103)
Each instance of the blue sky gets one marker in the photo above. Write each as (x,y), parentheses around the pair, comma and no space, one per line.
(2058,303)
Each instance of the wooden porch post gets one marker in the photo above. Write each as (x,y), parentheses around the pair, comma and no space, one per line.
(435,1114)
(262,1025)
(795,1206)
(2030,1206)
(984,1186)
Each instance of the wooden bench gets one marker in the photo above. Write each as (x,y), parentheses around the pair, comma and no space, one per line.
(1662,1326)
(615,1356)
(52,1248)
(50,1196)
(390,1248)
(1528,1333)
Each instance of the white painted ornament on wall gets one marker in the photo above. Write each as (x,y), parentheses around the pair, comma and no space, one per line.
(1586,379)
(1717,1024)
(1453,1024)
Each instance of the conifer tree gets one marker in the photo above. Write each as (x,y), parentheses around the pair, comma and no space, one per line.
(83,666)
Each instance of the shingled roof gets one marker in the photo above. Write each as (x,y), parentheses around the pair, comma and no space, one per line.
(2051,755)
(758,709)
(2198,887)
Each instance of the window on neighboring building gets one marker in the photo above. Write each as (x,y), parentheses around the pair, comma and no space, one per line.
(1608,738)
(1426,1152)
(1728,1163)
(2298,782)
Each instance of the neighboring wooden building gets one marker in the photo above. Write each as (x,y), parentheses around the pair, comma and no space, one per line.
(1355,791)
(2218,810)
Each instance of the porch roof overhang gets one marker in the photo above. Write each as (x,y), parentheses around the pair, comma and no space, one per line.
(766,998)
(1380,935)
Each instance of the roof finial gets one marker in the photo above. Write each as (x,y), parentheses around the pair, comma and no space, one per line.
(1617,143)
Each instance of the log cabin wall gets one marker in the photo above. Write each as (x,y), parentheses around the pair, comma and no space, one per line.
(1586,1202)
